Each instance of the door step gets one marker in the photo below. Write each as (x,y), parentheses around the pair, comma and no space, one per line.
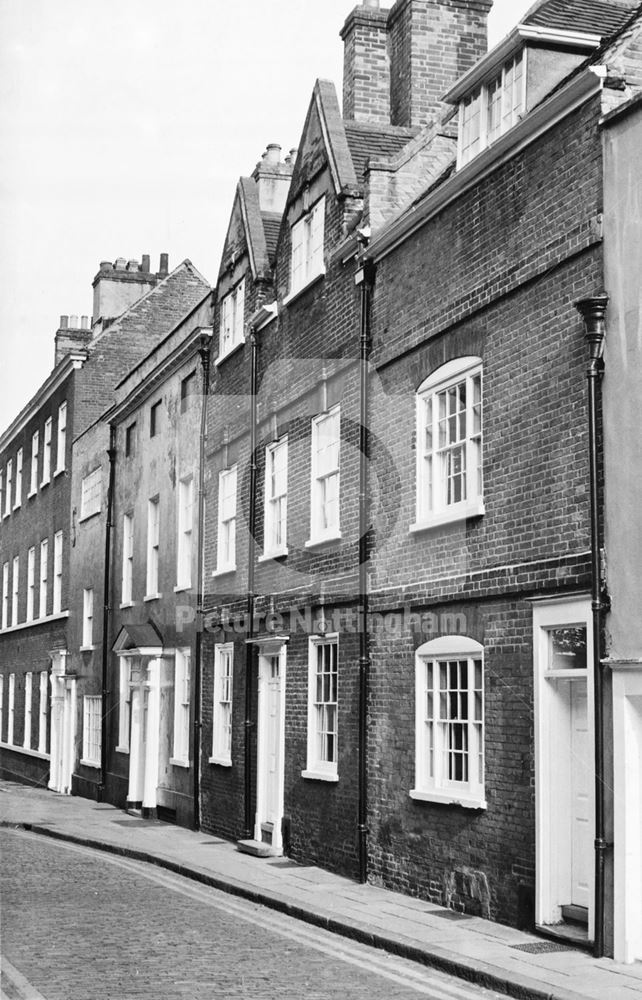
(257,848)
(575,914)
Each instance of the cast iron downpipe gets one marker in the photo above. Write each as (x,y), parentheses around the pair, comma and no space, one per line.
(204,352)
(593,311)
(111,452)
(251,548)
(365,277)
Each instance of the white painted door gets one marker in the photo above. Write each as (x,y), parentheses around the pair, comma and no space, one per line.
(581,808)
(270,759)
(273,743)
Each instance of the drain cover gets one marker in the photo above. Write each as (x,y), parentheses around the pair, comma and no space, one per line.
(541,947)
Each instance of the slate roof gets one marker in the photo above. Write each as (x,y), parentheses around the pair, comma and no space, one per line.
(271,227)
(367,141)
(597,17)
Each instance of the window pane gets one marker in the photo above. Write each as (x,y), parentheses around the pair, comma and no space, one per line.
(568,648)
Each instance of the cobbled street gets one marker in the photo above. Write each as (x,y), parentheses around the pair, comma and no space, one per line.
(78,925)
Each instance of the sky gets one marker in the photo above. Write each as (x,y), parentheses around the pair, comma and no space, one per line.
(124,128)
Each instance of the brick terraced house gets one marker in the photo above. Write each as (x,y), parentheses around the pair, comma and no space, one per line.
(407,610)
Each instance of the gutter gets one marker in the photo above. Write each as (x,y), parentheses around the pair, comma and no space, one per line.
(204,350)
(593,311)
(107,612)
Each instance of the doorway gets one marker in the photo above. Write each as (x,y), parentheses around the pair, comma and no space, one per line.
(63,724)
(564,766)
(270,745)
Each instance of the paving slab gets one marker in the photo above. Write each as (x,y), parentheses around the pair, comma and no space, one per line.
(475,949)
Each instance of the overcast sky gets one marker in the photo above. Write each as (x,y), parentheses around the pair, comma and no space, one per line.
(123,130)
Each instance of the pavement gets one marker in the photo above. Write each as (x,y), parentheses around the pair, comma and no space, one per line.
(519,964)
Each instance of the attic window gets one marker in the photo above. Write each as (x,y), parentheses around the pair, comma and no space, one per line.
(492,109)
(232,310)
(307,247)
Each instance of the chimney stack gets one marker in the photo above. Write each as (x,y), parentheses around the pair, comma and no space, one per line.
(272,177)
(117,286)
(71,336)
(366,66)
(432,43)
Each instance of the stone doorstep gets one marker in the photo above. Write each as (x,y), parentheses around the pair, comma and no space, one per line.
(257,849)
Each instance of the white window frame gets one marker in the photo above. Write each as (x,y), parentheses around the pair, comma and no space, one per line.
(33,476)
(26,739)
(1,492)
(325,477)
(306,256)
(8,488)
(17,501)
(46,452)
(223,693)
(15,589)
(1,705)
(477,128)
(43,712)
(227,504)
(153,548)
(127,579)
(87,618)
(91,493)
(185,533)
(437,454)
(5,595)
(124,704)
(57,582)
(61,441)
(91,730)
(323,741)
(31,582)
(449,722)
(275,539)
(232,320)
(11,717)
(182,701)
(44,558)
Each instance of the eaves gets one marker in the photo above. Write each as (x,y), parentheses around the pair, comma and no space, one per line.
(535,124)
(72,361)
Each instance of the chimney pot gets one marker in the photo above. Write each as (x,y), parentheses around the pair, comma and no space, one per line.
(273,153)
(374,4)
(145,265)
(132,265)
(64,322)
(105,265)
(73,322)
(120,263)
(164,263)
(84,322)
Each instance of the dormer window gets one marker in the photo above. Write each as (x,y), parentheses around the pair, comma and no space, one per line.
(492,109)
(307,247)
(232,317)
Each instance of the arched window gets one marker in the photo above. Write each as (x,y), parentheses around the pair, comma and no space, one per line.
(449,444)
(449,726)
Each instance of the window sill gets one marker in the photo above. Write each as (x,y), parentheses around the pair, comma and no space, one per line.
(320,776)
(476,509)
(122,750)
(44,483)
(181,588)
(316,543)
(6,514)
(228,354)
(36,621)
(31,494)
(224,572)
(90,763)
(220,761)
(88,517)
(126,604)
(446,799)
(16,507)
(23,750)
(152,597)
(59,472)
(292,296)
(87,649)
(175,762)
(271,556)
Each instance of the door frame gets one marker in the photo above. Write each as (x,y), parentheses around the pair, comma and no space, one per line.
(552,773)
(62,746)
(266,649)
